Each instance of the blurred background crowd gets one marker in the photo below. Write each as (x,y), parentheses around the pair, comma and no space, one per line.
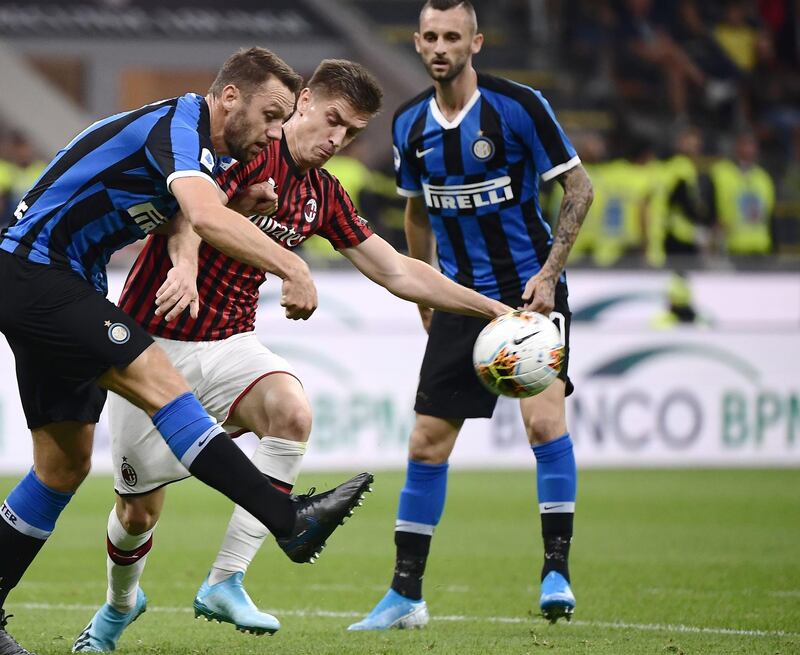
(685,112)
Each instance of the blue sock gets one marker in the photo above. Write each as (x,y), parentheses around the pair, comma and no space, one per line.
(421,506)
(29,516)
(556,484)
(186,427)
(32,507)
(422,498)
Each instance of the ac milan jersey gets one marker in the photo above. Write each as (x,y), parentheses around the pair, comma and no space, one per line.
(110,186)
(309,203)
(479,176)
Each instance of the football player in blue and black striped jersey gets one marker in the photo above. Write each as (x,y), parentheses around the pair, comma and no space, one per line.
(117,181)
(469,155)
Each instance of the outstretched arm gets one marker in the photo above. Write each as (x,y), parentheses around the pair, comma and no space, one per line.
(539,294)
(411,279)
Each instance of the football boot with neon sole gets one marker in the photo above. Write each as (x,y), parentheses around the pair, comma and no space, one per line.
(228,602)
(9,645)
(394,611)
(318,516)
(107,626)
(557,600)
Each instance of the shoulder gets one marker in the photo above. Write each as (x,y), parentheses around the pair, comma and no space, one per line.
(414,105)
(505,92)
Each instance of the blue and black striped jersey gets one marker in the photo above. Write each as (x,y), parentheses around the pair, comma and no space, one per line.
(110,186)
(479,175)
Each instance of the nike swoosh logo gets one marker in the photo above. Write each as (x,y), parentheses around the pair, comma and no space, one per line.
(554,506)
(525,338)
(202,441)
(422,153)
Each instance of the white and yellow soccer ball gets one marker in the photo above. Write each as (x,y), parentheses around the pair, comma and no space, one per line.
(519,354)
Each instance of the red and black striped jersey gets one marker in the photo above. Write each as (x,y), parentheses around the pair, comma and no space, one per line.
(311,202)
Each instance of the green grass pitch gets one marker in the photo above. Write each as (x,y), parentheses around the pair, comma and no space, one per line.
(663,562)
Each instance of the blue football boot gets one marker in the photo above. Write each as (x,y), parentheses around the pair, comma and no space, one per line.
(228,602)
(106,627)
(394,611)
(557,599)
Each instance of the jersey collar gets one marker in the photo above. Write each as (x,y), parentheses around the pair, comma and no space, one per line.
(438,116)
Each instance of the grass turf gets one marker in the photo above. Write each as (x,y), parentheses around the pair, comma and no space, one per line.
(662,562)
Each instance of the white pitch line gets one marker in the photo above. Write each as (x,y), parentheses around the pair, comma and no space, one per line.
(457,618)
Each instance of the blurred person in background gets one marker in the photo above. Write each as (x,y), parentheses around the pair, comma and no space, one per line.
(686,230)
(469,154)
(743,200)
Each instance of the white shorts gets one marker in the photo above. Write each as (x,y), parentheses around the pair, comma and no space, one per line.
(219,373)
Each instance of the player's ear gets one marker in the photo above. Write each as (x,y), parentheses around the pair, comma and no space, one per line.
(230,94)
(417,39)
(303,101)
(477,43)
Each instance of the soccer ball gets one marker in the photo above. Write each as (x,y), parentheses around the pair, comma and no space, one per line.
(518,354)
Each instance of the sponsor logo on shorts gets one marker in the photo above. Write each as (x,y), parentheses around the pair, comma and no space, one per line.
(118,333)
(128,473)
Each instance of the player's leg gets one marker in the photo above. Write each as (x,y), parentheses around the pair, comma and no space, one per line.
(151,383)
(556,483)
(276,409)
(129,538)
(62,458)
(449,392)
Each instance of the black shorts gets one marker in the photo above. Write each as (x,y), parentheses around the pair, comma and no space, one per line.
(64,335)
(448,386)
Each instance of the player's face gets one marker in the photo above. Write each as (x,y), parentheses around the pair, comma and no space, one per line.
(446,42)
(255,121)
(323,125)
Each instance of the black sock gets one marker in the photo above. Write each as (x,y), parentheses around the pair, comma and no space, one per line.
(557,536)
(17,551)
(224,467)
(412,554)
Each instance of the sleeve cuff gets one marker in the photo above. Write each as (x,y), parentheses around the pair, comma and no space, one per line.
(409,193)
(561,168)
(174,176)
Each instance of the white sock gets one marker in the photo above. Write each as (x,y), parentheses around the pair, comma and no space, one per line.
(280,459)
(125,563)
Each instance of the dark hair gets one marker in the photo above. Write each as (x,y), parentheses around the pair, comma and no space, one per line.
(249,68)
(444,5)
(340,78)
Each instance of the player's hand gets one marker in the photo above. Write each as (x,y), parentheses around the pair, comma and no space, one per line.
(299,294)
(260,198)
(178,292)
(426,314)
(540,293)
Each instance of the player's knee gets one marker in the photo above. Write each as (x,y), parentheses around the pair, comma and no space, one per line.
(426,448)
(542,429)
(291,421)
(137,519)
(68,475)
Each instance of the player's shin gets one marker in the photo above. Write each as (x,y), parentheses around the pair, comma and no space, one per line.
(556,482)
(280,460)
(208,452)
(420,508)
(29,516)
(127,554)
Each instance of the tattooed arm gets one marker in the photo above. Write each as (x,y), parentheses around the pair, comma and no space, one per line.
(540,290)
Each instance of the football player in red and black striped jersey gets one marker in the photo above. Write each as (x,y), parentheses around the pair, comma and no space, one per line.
(208,330)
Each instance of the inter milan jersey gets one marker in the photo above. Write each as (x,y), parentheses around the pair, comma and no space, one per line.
(309,203)
(110,186)
(479,175)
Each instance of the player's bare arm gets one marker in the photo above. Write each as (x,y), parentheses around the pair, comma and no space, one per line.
(237,237)
(420,239)
(179,290)
(416,281)
(540,290)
